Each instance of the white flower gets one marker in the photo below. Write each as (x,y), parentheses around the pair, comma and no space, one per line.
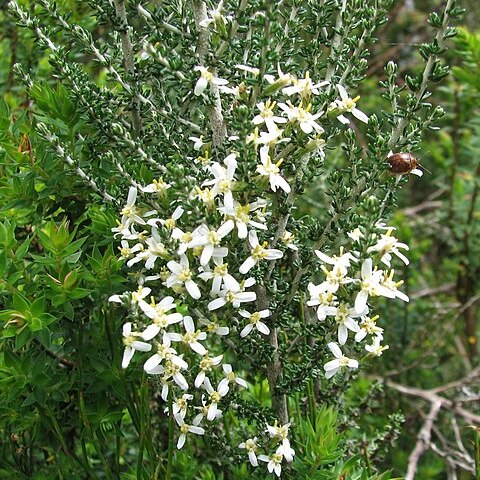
(220,277)
(287,239)
(267,116)
(130,212)
(132,344)
(258,252)
(224,178)
(191,337)
(170,370)
(355,235)
(155,249)
(180,405)
(205,365)
(368,326)
(235,297)
(341,361)
(215,16)
(304,86)
(197,142)
(230,378)
(209,240)
(185,428)
(387,245)
(347,104)
(135,297)
(255,321)
(206,77)
(171,222)
(274,463)
(246,68)
(370,285)
(391,285)
(342,261)
(164,352)
(376,348)
(345,319)
(279,432)
(181,275)
(215,397)
(305,119)
(240,214)
(326,300)
(157,186)
(158,313)
(272,170)
(214,327)
(251,447)
(266,138)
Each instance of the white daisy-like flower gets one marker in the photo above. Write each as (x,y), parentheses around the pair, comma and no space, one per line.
(324,299)
(274,463)
(230,378)
(250,445)
(234,297)
(198,142)
(287,240)
(166,352)
(371,284)
(347,104)
(368,326)
(272,171)
(376,349)
(255,321)
(180,405)
(132,344)
(215,397)
(130,212)
(388,244)
(182,275)
(302,116)
(344,317)
(185,428)
(161,320)
(241,215)
(341,361)
(206,364)
(392,285)
(355,235)
(158,186)
(258,252)
(191,337)
(304,86)
(267,115)
(224,178)
(206,78)
(209,240)
(221,277)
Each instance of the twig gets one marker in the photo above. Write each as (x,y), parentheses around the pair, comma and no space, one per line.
(423,440)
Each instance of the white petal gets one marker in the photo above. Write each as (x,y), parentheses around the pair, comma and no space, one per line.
(127,356)
(188,324)
(192,289)
(335,349)
(150,332)
(246,330)
(247,265)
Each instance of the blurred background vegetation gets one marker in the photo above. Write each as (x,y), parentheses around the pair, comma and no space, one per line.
(69,268)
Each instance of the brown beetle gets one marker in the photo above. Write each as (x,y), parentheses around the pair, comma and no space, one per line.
(401,163)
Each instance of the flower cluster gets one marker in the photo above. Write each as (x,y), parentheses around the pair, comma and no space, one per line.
(278,444)
(196,260)
(345,298)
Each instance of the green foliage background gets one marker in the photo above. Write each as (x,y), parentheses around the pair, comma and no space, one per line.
(67,409)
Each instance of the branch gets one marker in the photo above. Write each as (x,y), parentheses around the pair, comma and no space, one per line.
(128,59)
(423,440)
(217,123)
